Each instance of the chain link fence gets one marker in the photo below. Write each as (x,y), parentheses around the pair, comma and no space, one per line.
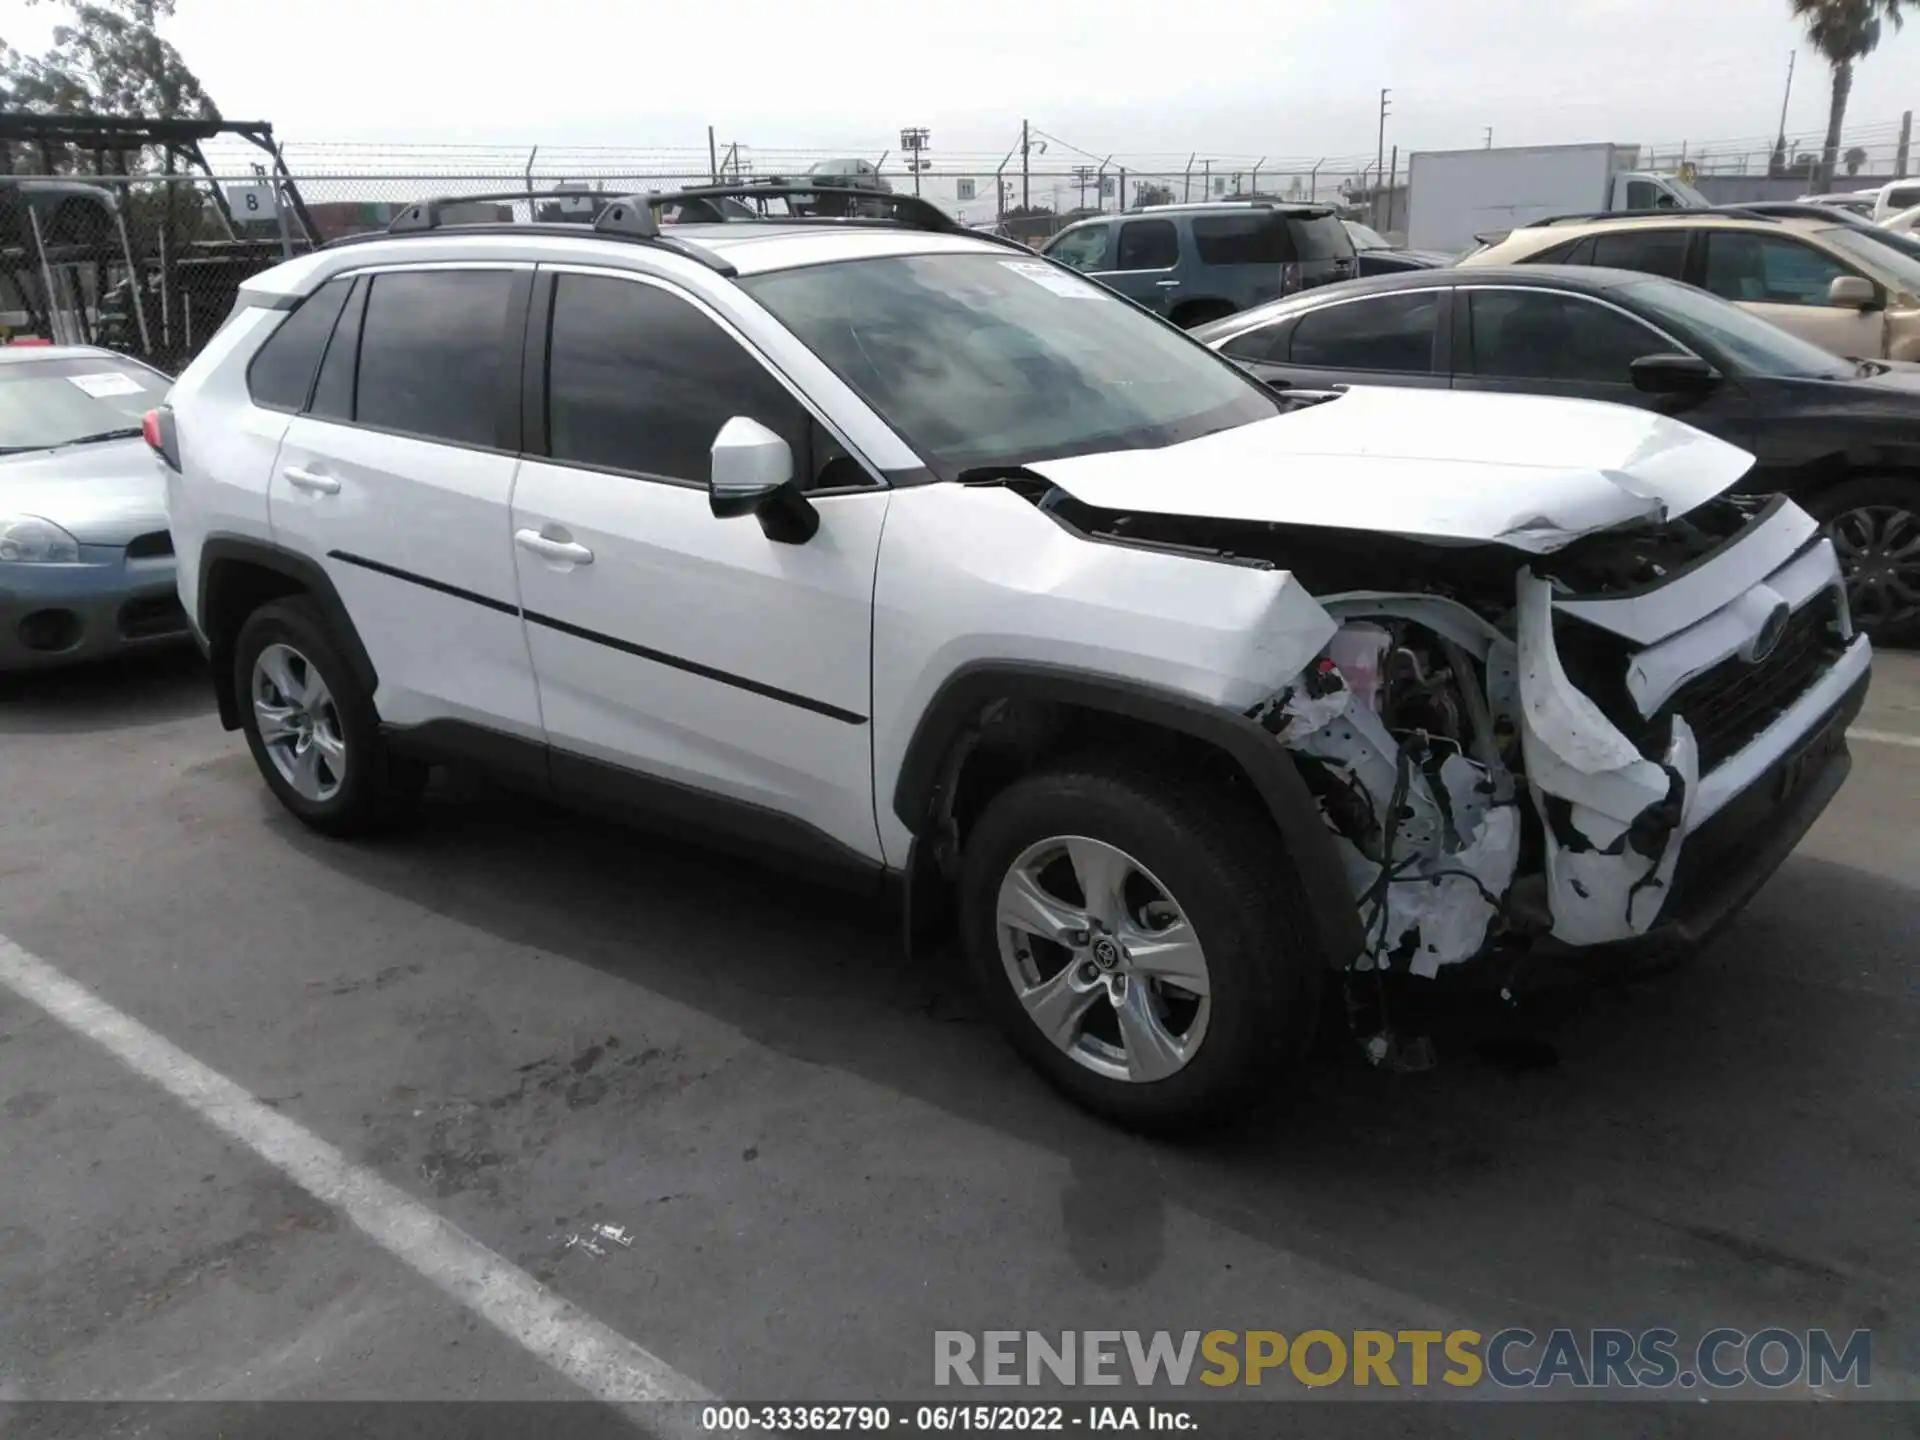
(150,264)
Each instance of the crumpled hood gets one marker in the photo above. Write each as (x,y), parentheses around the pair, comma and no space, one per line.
(101,494)
(1531,472)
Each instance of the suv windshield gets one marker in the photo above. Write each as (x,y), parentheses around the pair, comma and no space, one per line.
(1753,344)
(44,403)
(979,360)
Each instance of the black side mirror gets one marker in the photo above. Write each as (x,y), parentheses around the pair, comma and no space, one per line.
(1673,375)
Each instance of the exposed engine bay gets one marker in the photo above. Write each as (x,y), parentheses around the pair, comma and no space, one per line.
(1506,747)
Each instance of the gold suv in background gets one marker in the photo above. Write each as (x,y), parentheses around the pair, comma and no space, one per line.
(1834,285)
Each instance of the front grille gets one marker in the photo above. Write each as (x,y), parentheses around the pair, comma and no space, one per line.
(147,547)
(1734,701)
(152,616)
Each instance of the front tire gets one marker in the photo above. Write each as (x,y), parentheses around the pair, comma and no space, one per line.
(1145,944)
(1875,525)
(312,728)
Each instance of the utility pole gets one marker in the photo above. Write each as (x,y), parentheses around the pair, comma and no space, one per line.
(1026,179)
(1082,174)
(713,156)
(914,141)
(1380,160)
(1206,179)
(1489,137)
(1905,147)
(1781,145)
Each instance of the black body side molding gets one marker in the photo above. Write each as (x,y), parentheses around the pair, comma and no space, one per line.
(224,561)
(1265,763)
(645,801)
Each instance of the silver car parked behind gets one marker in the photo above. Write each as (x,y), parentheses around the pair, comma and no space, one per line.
(86,565)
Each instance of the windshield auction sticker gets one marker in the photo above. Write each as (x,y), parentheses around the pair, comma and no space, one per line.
(1049,278)
(105,383)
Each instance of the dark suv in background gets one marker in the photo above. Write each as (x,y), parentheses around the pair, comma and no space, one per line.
(1195,263)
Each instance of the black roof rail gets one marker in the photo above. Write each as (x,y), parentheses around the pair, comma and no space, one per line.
(909,211)
(1677,211)
(619,217)
(1778,209)
(635,216)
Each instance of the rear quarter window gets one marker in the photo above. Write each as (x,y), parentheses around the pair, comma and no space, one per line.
(1242,240)
(1319,237)
(281,375)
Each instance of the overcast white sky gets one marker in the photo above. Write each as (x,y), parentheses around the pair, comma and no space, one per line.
(1299,78)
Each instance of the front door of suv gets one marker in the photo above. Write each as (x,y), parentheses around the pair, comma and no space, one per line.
(396,479)
(684,659)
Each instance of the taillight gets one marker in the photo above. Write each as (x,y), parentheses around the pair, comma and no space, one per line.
(1289,277)
(157,426)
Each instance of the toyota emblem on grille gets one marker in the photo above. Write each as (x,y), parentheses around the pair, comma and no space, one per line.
(1767,638)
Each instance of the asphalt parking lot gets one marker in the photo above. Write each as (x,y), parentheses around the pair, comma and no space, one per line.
(526,1023)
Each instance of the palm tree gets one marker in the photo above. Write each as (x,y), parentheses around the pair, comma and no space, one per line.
(1845,32)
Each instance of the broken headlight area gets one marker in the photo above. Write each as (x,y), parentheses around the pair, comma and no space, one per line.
(1400,746)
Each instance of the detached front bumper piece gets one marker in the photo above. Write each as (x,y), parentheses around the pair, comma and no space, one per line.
(1726,861)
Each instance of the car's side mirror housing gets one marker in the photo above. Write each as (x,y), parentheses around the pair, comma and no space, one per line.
(751,473)
(1853,292)
(1673,375)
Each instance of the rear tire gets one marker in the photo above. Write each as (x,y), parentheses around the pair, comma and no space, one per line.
(1188,856)
(313,729)
(1875,525)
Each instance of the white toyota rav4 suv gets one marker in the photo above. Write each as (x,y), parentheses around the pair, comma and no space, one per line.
(903,554)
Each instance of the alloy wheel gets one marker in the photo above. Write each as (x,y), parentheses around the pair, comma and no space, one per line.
(1103,959)
(1879,548)
(299,724)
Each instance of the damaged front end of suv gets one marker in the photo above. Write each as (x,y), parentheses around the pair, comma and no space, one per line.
(1574,727)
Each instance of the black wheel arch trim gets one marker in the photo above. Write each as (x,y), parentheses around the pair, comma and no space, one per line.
(1265,763)
(219,551)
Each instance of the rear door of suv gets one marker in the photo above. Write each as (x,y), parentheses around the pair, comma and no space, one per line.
(396,479)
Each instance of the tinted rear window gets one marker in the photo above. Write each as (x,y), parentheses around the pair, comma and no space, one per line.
(1257,239)
(1656,252)
(430,350)
(1319,237)
(1148,245)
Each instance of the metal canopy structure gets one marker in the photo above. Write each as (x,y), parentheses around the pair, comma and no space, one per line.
(153,178)
(177,141)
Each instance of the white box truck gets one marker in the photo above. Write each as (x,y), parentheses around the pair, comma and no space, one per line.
(1455,196)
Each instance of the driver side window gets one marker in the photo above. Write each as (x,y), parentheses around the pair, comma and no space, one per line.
(1767,270)
(1541,335)
(640,381)
(1083,248)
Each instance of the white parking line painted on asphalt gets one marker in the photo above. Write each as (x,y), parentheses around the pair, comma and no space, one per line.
(1885,737)
(602,1362)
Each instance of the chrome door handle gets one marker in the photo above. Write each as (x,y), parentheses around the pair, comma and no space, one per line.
(308,480)
(1166,284)
(548,548)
